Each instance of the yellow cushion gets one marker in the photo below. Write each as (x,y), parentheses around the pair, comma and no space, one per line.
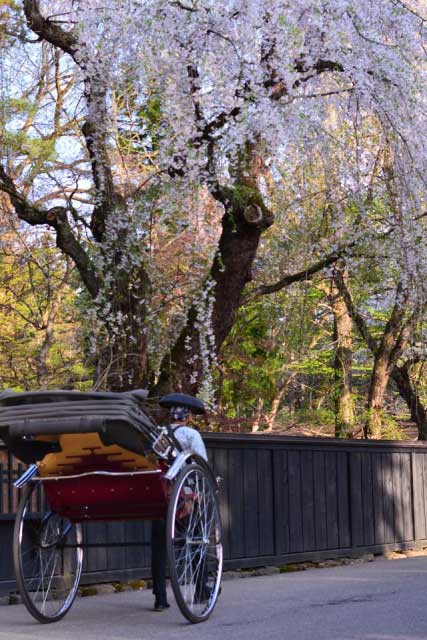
(80,450)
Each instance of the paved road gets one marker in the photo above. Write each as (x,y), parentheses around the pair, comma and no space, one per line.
(382,600)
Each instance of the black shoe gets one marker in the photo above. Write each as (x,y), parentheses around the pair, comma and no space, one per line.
(161,605)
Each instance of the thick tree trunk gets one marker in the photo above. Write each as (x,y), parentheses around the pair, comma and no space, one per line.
(210,320)
(402,379)
(293,399)
(116,288)
(378,386)
(343,361)
(386,352)
(231,271)
(258,415)
(49,335)
(122,362)
(121,368)
(270,418)
(393,342)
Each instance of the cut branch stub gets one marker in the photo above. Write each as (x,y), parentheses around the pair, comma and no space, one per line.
(253,214)
(245,204)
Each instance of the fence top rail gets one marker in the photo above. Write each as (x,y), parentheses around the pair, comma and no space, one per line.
(274,440)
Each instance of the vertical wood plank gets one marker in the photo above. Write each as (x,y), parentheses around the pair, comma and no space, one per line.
(295,504)
(424,486)
(343,501)
(308,516)
(116,556)
(320,500)
(418,490)
(236,495)
(397,497)
(407,507)
(367,500)
(6,557)
(251,503)
(389,506)
(135,534)
(86,552)
(378,493)
(2,489)
(96,558)
(281,502)
(265,502)
(331,500)
(356,499)
(221,469)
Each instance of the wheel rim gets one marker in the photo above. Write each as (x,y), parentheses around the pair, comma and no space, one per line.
(195,544)
(48,562)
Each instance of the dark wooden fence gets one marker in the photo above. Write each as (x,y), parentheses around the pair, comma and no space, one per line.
(283,499)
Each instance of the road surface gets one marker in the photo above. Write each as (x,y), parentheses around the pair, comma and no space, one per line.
(381,600)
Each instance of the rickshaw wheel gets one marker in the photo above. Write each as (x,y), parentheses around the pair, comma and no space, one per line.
(194,543)
(47,557)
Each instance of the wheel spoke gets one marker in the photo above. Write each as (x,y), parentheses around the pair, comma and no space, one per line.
(43,568)
(49,584)
(48,561)
(195,550)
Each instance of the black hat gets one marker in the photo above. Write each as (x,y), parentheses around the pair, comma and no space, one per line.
(183,400)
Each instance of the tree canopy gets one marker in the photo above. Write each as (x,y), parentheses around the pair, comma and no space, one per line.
(189,158)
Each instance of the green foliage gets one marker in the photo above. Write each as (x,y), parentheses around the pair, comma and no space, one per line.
(37,150)
(240,196)
(269,348)
(315,417)
(39,323)
(139,123)
(390,427)
(151,111)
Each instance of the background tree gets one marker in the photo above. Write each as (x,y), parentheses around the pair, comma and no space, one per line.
(207,108)
(41,341)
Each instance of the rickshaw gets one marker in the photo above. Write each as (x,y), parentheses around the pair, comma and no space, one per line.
(101,456)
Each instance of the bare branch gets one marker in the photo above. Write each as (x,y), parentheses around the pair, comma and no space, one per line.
(57,219)
(278,90)
(48,30)
(183,6)
(23,208)
(94,127)
(289,279)
(354,313)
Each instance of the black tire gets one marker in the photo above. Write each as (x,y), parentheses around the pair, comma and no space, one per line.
(194,546)
(47,556)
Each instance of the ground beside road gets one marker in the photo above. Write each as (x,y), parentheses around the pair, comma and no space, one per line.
(381,600)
